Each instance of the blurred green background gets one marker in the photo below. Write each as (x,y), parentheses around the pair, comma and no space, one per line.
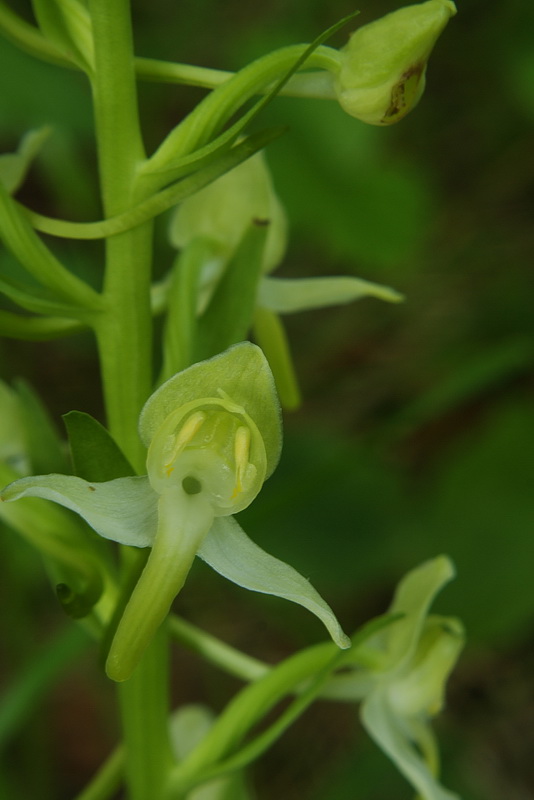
(417,430)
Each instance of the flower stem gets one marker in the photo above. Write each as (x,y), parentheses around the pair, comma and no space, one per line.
(124,329)
(123,332)
(212,649)
(143,705)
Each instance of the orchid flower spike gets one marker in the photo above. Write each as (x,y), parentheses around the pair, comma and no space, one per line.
(213,434)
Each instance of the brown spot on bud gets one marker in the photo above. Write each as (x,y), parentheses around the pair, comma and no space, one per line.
(404,94)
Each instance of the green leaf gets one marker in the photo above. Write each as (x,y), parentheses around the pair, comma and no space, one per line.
(229,315)
(241,372)
(95,454)
(229,551)
(479,505)
(124,510)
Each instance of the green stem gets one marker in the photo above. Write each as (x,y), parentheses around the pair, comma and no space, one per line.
(144,712)
(223,655)
(318,85)
(245,710)
(124,335)
(124,329)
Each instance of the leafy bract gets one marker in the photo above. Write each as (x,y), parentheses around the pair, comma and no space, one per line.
(95,454)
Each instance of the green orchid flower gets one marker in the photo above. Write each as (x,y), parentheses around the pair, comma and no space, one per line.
(213,435)
(402,687)
(383,66)
(212,228)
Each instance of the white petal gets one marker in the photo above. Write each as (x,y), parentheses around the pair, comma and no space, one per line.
(286,296)
(230,552)
(124,509)
(390,734)
(413,597)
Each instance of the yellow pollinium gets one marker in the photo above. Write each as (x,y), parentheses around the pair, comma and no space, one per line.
(184,437)
(241,454)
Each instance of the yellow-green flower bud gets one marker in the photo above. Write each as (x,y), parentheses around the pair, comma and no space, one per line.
(382,75)
(224,210)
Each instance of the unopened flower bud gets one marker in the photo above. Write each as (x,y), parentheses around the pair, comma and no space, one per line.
(223,211)
(420,691)
(382,75)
